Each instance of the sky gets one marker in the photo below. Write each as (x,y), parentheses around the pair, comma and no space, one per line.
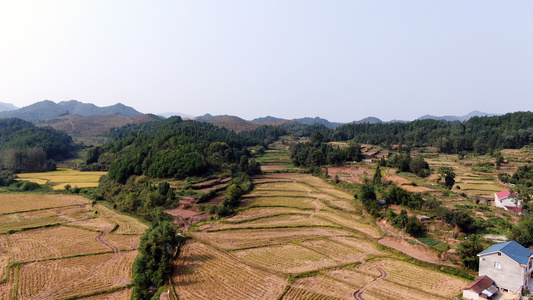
(339,60)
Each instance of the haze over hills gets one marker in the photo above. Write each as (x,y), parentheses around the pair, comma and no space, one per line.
(91,129)
(171,114)
(7,106)
(229,122)
(475,113)
(49,109)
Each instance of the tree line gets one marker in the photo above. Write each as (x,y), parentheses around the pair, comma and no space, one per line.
(27,148)
(479,134)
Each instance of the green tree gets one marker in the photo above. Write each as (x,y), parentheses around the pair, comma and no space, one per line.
(468,251)
(525,231)
(377,176)
(449,176)
(153,266)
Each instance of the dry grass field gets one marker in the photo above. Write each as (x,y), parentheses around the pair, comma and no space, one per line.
(60,246)
(60,178)
(309,240)
(202,272)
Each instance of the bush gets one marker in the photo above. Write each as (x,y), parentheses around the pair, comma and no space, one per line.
(24,186)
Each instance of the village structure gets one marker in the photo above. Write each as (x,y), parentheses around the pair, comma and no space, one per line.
(508,201)
(503,267)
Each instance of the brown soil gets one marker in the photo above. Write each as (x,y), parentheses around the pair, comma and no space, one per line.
(419,252)
(186,218)
(180,213)
(351,174)
(272,168)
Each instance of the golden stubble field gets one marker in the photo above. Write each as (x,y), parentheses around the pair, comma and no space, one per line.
(297,237)
(63,246)
(60,178)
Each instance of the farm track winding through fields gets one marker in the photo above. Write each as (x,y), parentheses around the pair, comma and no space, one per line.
(100,238)
(358,294)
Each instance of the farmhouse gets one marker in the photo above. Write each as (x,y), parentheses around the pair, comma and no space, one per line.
(482,287)
(508,201)
(509,265)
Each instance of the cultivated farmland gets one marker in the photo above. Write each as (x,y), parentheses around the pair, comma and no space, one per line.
(60,178)
(298,237)
(63,246)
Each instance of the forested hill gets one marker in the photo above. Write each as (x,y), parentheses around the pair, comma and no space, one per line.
(25,147)
(173,148)
(478,134)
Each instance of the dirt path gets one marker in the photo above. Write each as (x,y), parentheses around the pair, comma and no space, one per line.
(358,294)
(100,238)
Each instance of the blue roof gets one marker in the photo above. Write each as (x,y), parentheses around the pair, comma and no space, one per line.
(514,250)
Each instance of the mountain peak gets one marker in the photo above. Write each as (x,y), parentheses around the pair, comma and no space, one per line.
(49,109)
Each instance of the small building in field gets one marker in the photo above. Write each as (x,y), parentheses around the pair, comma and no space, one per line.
(509,265)
(483,287)
(506,200)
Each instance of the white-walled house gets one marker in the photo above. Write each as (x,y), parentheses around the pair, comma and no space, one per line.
(507,200)
(508,264)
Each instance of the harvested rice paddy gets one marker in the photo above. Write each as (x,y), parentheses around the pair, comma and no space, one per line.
(57,246)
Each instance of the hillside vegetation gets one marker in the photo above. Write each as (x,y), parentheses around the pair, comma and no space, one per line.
(27,148)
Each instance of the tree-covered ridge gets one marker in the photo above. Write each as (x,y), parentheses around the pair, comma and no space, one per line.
(25,147)
(478,134)
(174,148)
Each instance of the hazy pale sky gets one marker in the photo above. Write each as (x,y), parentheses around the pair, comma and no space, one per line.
(340,60)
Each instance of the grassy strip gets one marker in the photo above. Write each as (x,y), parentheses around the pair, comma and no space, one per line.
(11,231)
(111,290)
(108,206)
(260,218)
(16,282)
(31,210)
(280,206)
(274,227)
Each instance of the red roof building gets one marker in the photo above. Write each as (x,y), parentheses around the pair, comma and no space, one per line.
(483,287)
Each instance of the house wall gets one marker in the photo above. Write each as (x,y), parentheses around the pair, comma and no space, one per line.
(510,276)
(509,201)
(469,295)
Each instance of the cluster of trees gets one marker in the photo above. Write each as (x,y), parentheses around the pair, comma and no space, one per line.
(523,176)
(153,266)
(143,156)
(139,195)
(174,148)
(405,163)
(27,148)
(317,152)
(394,195)
(411,225)
(397,195)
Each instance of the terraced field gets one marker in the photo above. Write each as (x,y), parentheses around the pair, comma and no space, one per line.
(57,246)
(297,237)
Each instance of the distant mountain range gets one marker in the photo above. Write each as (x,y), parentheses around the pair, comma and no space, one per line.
(91,129)
(171,114)
(475,113)
(49,109)
(7,106)
(269,120)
